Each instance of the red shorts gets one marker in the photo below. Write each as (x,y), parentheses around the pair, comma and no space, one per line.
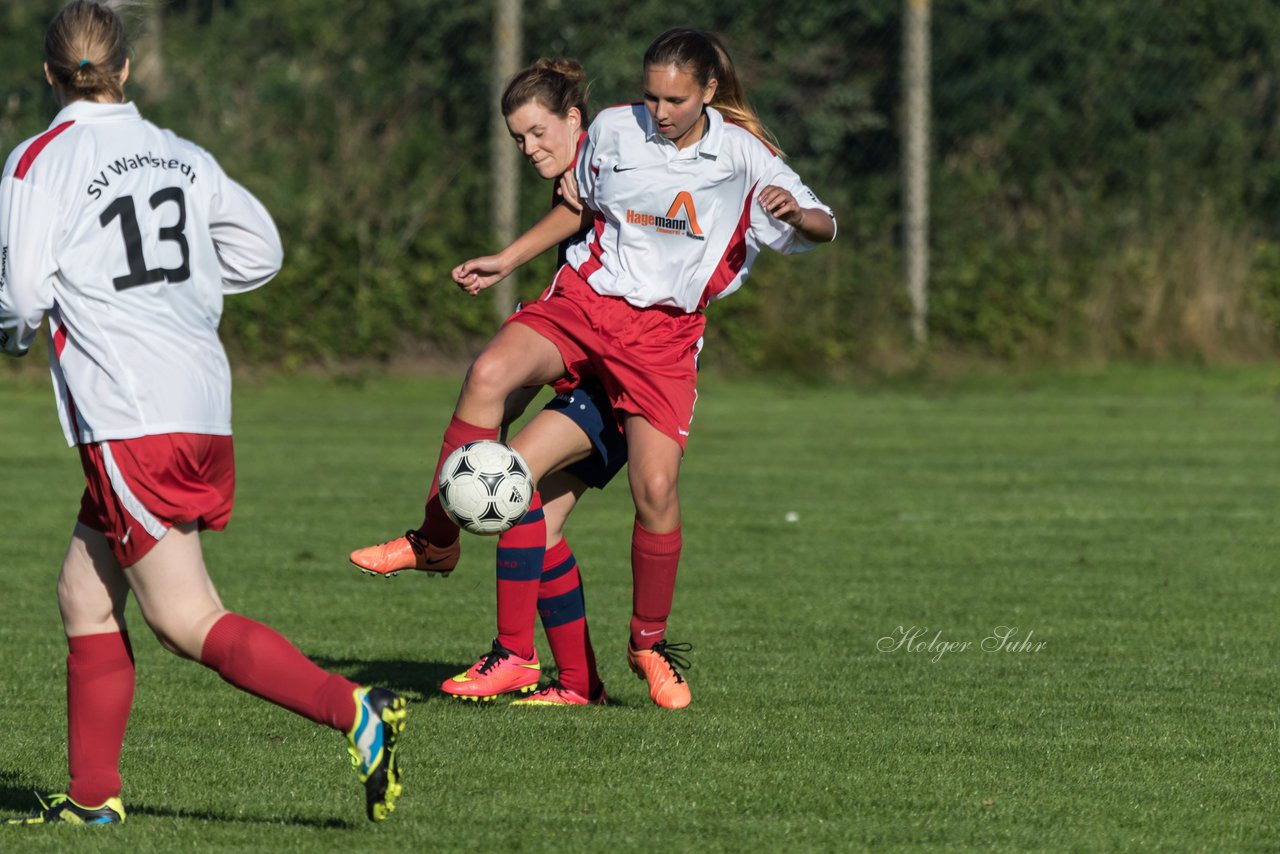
(136,489)
(646,358)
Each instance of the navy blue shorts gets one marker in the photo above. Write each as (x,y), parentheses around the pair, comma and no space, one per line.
(589,408)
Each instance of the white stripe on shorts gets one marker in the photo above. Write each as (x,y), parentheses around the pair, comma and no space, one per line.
(555,280)
(130,501)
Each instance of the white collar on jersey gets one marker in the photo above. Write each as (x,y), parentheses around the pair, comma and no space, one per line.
(708,146)
(92,111)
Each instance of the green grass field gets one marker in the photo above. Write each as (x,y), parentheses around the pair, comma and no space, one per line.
(1126,521)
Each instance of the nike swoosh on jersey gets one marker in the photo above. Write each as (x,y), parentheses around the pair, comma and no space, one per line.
(617,168)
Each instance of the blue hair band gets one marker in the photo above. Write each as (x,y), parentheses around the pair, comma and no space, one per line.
(85,62)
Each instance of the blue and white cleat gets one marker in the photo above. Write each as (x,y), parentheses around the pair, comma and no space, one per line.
(380,718)
(62,810)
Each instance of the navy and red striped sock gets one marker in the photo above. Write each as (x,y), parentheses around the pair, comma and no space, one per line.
(654,561)
(437,528)
(563,610)
(258,659)
(100,680)
(520,554)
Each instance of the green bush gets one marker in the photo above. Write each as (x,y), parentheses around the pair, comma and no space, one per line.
(1104,184)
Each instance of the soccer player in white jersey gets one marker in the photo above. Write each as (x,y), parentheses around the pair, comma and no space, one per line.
(126,237)
(575,438)
(681,191)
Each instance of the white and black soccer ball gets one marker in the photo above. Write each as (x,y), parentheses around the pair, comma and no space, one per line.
(485,487)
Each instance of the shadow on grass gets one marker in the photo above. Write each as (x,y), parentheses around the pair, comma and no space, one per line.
(204,815)
(422,678)
(17,796)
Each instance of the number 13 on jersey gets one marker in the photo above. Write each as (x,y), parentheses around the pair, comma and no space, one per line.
(139,273)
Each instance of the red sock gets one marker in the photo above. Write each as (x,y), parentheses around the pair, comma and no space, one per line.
(654,561)
(520,554)
(437,527)
(99,696)
(564,618)
(258,659)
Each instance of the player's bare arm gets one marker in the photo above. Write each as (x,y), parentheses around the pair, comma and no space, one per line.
(814,225)
(559,224)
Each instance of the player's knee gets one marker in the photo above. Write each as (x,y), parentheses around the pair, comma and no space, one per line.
(489,377)
(168,642)
(83,608)
(655,494)
(181,636)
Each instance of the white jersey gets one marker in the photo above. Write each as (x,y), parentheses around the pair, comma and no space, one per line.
(127,237)
(678,227)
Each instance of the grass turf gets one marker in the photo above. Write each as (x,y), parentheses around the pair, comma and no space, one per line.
(1125,521)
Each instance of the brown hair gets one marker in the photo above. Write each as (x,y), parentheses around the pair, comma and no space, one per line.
(86,48)
(704,56)
(554,83)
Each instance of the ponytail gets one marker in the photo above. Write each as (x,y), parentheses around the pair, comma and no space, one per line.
(86,48)
(731,101)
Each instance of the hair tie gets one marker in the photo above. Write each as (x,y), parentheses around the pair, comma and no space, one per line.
(85,62)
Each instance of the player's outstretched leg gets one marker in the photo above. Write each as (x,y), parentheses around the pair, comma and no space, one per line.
(517,357)
(60,809)
(411,551)
(380,718)
(179,602)
(434,547)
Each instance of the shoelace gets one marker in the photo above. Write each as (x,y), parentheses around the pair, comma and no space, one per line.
(415,542)
(491,659)
(54,800)
(670,653)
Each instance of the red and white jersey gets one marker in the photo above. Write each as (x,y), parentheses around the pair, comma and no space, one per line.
(127,237)
(678,227)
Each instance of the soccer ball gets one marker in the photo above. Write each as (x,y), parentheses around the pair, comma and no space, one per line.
(485,487)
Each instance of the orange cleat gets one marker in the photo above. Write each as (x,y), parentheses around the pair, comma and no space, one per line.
(408,552)
(499,671)
(658,666)
(556,694)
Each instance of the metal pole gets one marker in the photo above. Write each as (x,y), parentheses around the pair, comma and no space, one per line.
(915,160)
(504,159)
